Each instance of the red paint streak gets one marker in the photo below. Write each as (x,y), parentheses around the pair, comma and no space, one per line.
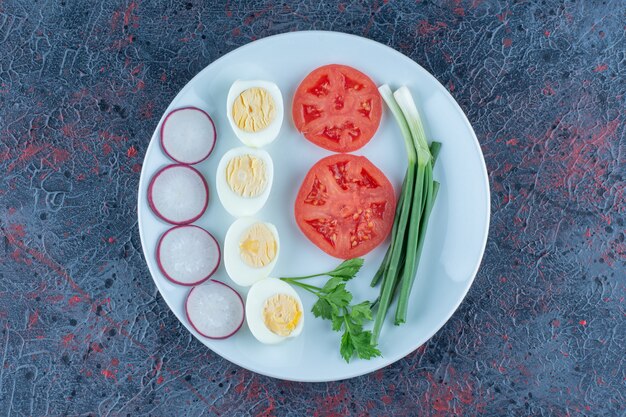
(140,86)
(106,149)
(33,318)
(600,68)
(227,9)
(248,20)
(60,156)
(111,239)
(333,404)
(375,8)
(67,339)
(120,43)
(136,70)
(136,168)
(253,389)
(556,323)
(115,20)
(270,406)
(111,136)
(546,33)
(502,16)
(17,230)
(108,374)
(548,90)
(512,142)
(459,11)
(27,154)
(441,399)
(131,152)
(341,7)
(55,298)
(74,300)
(68,131)
(451,86)
(96,347)
(163,77)
(424,28)
(79,95)
(236,32)
(583,322)
(451,398)
(146,110)
(128,13)
(386,399)
(507,42)
(160,379)
(115,362)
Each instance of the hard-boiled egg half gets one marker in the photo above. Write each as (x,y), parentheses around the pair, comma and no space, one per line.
(244,180)
(251,249)
(274,311)
(255,111)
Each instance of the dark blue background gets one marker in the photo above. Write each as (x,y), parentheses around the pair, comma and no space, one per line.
(83,330)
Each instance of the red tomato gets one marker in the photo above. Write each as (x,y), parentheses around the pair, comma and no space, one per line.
(337,107)
(345,205)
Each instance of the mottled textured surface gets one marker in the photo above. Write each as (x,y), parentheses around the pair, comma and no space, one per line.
(83,330)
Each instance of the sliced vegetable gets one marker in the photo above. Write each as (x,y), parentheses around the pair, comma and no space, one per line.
(337,107)
(188,135)
(178,194)
(188,255)
(345,206)
(214,310)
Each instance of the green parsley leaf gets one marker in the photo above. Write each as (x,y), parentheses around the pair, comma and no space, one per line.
(347,347)
(332,284)
(333,304)
(337,322)
(361,312)
(347,269)
(322,309)
(340,297)
(362,344)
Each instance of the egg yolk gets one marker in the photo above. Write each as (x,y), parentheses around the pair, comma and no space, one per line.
(258,246)
(246,176)
(254,109)
(281,314)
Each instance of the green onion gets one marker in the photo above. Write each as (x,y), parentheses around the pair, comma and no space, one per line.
(415,204)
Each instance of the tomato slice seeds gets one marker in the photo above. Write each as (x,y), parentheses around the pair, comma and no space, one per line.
(345,205)
(337,107)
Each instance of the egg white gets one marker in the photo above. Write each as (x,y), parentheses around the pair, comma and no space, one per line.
(265,136)
(240,272)
(255,301)
(235,204)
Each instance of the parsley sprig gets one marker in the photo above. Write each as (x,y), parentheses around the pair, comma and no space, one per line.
(334,304)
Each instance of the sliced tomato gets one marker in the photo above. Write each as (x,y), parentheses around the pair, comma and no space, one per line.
(337,107)
(345,205)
